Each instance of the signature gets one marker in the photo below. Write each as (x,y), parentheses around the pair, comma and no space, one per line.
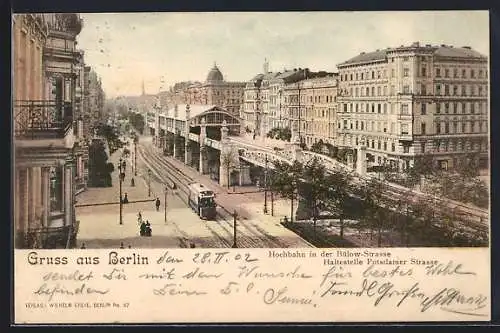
(448,299)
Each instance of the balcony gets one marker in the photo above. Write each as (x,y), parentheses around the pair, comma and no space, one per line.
(405,116)
(42,119)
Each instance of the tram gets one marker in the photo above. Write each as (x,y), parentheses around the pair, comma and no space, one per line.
(202,201)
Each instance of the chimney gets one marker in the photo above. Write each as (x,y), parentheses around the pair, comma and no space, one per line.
(466,47)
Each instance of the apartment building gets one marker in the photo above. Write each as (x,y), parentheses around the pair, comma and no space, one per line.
(215,91)
(44,61)
(412,100)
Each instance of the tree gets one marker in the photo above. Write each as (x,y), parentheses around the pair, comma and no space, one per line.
(228,158)
(285,180)
(375,215)
(423,165)
(110,134)
(338,197)
(468,165)
(137,121)
(313,186)
(99,168)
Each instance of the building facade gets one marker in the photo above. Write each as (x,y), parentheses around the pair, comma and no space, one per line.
(44,81)
(215,91)
(408,101)
(320,108)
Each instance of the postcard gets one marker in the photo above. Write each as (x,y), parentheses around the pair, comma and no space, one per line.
(246,167)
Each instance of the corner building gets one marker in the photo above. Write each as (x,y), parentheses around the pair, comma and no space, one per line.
(413,100)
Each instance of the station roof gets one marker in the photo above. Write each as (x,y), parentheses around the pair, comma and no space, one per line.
(194,110)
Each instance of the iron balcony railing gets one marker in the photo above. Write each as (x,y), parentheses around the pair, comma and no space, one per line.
(34,119)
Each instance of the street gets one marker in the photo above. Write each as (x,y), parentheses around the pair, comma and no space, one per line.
(100,228)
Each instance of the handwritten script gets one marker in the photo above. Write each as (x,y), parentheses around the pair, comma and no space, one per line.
(120,283)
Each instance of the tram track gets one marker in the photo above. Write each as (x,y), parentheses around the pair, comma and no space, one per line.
(246,237)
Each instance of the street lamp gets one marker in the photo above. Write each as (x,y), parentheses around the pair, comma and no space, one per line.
(149,182)
(235,215)
(166,191)
(265,188)
(120,180)
(135,155)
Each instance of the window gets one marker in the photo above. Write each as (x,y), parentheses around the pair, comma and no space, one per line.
(472,108)
(378,91)
(463,91)
(422,147)
(373,108)
(393,90)
(472,74)
(464,73)
(373,91)
(455,127)
(404,108)
(404,129)
(393,147)
(361,76)
(379,108)
(423,89)
(406,149)
(393,73)
(446,90)
(446,72)
(362,125)
(438,89)
(423,128)
(405,58)
(373,74)
(351,77)
(455,73)
(424,71)
(367,91)
(406,89)
(406,72)
(385,145)
(378,75)
(356,124)
(438,128)
(464,108)
(455,108)
(447,127)
(455,90)
(424,109)
(345,107)
(480,74)
(385,90)
(446,107)
(463,127)
(438,72)
(480,91)
(378,145)
(385,108)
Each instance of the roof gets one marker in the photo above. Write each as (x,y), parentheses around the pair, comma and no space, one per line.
(194,110)
(446,51)
(215,74)
(367,57)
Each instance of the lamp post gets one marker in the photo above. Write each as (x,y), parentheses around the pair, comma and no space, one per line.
(235,215)
(120,180)
(166,191)
(135,155)
(265,188)
(149,182)
(272,197)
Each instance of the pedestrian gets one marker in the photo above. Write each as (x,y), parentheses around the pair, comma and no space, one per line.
(129,246)
(148,229)
(143,229)
(139,218)
(157,203)
(125,199)
(121,245)
(83,246)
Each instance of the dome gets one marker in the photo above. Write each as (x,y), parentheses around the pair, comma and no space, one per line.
(215,74)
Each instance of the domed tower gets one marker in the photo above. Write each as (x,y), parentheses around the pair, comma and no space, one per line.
(215,75)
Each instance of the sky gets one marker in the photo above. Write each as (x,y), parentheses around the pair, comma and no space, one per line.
(160,49)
